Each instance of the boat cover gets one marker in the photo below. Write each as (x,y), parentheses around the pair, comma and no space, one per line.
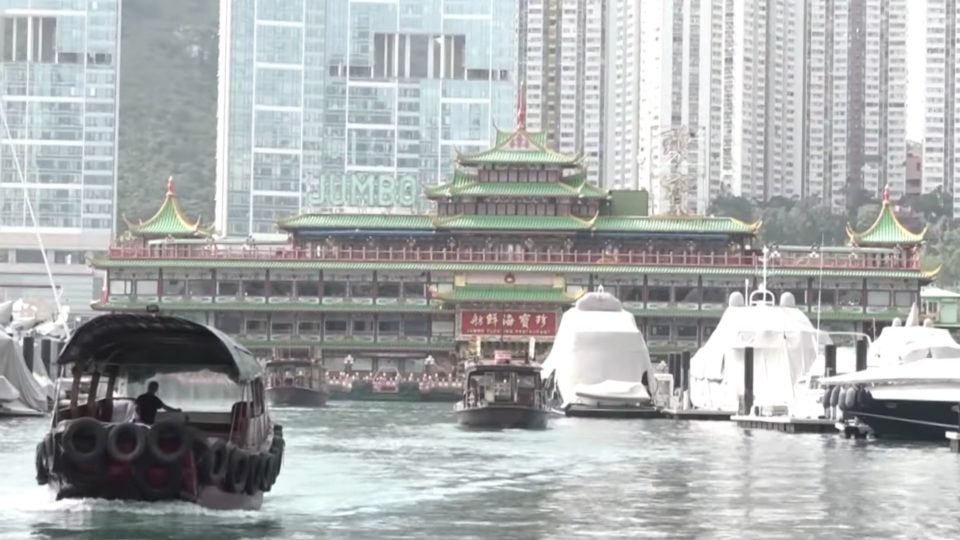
(899,344)
(14,370)
(926,370)
(785,346)
(614,390)
(597,347)
(163,342)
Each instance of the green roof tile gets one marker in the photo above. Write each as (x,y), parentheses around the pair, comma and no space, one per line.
(885,230)
(434,345)
(305,307)
(357,221)
(389,266)
(518,223)
(519,147)
(509,293)
(169,220)
(690,224)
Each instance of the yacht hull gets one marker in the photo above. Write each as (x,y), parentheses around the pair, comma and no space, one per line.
(503,417)
(293,396)
(610,411)
(908,419)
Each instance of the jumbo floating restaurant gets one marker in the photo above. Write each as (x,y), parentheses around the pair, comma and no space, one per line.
(517,236)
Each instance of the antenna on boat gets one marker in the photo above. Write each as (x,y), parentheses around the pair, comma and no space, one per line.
(33,216)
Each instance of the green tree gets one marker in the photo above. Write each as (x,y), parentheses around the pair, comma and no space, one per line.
(733,206)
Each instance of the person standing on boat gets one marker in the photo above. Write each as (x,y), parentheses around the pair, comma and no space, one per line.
(148,404)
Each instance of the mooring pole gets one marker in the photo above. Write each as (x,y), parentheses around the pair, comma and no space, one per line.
(747,381)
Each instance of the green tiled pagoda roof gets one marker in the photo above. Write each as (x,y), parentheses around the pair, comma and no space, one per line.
(509,293)
(306,307)
(545,268)
(169,220)
(519,147)
(638,224)
(886,230)
(464,185)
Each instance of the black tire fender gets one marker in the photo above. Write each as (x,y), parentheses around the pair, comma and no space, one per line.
(212,464)
(78,428)
(169,489)
(124,432)
(238,471)
(162,431)
(43,472)
(255,478)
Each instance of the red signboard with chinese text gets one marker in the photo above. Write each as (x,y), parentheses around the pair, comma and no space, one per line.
(508,323)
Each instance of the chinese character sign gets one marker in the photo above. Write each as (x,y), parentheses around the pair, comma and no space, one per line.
(508,323)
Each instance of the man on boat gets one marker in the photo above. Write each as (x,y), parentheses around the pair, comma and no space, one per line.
(148,404)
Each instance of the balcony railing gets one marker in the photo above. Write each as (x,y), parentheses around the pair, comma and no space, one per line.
(851,260)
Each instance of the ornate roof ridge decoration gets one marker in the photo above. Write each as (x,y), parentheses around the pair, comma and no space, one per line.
(886,228)
(169,220)
(931,274)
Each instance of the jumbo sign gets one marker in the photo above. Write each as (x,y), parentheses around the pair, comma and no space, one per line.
(361,189)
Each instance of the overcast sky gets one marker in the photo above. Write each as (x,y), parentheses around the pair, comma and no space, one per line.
(916,35)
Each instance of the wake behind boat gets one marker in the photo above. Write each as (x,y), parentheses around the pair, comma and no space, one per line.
(599,364)
(502,395)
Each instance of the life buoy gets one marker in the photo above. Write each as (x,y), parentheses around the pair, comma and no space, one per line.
(163,432)
(84,441)
(212,465)
(126,442)
(238,471)
(255,478)
(43,473)
(169,487)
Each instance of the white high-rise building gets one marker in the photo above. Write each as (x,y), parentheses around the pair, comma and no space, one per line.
(940,138)
(562,65)
(622,97)
(669,94)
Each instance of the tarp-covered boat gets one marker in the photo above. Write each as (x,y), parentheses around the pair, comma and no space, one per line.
(21,392)
(599,364)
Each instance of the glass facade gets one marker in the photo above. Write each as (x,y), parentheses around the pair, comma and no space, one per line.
(354,104)
(58,71)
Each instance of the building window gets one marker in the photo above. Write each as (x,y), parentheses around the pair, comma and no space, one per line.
(388,289)
(687,332)
(335,325)
(415,325)
(658,294)
(231,323)
(256,324)
(174,287)
(308,326)
(630,293)
(688,295)
(850,298)
(146,287)
(281,325)
(878,298)
(200,287)
(412,289)
(228,288)
(388,326)
(661,331)
(362,326)
(121,286)
(903,298)
(254,288)
(335,289)
(714,295)
(361,289)
(308,289)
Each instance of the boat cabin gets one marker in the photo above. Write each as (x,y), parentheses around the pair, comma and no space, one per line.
(303,373)
(503,382)
(216,382)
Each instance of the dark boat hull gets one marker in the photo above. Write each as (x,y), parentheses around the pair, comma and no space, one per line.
(912,420)
(503,417)
(211,497)
(293,396)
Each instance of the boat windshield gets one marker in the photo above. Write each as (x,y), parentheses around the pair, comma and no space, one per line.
(501,387)
(204,391)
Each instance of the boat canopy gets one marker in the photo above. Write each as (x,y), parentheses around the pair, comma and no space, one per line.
(164,342)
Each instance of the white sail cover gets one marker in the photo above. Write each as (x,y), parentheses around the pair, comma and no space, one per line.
(14,371)
(785,347)
(899,344)
(599,356)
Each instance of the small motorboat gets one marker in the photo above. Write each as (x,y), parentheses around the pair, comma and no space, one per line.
(222,452)
(502,395)
(599,365)
(296,383)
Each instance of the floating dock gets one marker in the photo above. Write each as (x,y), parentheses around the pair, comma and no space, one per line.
(786,424)
(954,438)
(696,414)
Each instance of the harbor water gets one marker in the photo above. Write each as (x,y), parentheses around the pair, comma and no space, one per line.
(405,470)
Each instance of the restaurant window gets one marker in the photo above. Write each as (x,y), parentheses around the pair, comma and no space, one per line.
(256,325)
(827,297)
(335,325)
(903,298)
(254,287)
(281,288)
(228,288)
(388,289)
(146,287)
(714,295)
(200,287)
(231,323)
(308,326)
(281,325)
(878,298)
(631,293)
(388,326)
(336,289)
(362,325)
(121,286)
(412,289)
(707,331)
(174,287)
(659,330)
(308,289)
(361,289)
(658,294)
(689,295)
(798,296)
(415,325)
(850,298)
(687,332)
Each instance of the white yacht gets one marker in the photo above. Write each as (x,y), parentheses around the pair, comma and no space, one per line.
(785,347)
(910,389)
(599,364)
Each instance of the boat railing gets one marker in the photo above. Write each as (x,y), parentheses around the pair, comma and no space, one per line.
(841,260)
